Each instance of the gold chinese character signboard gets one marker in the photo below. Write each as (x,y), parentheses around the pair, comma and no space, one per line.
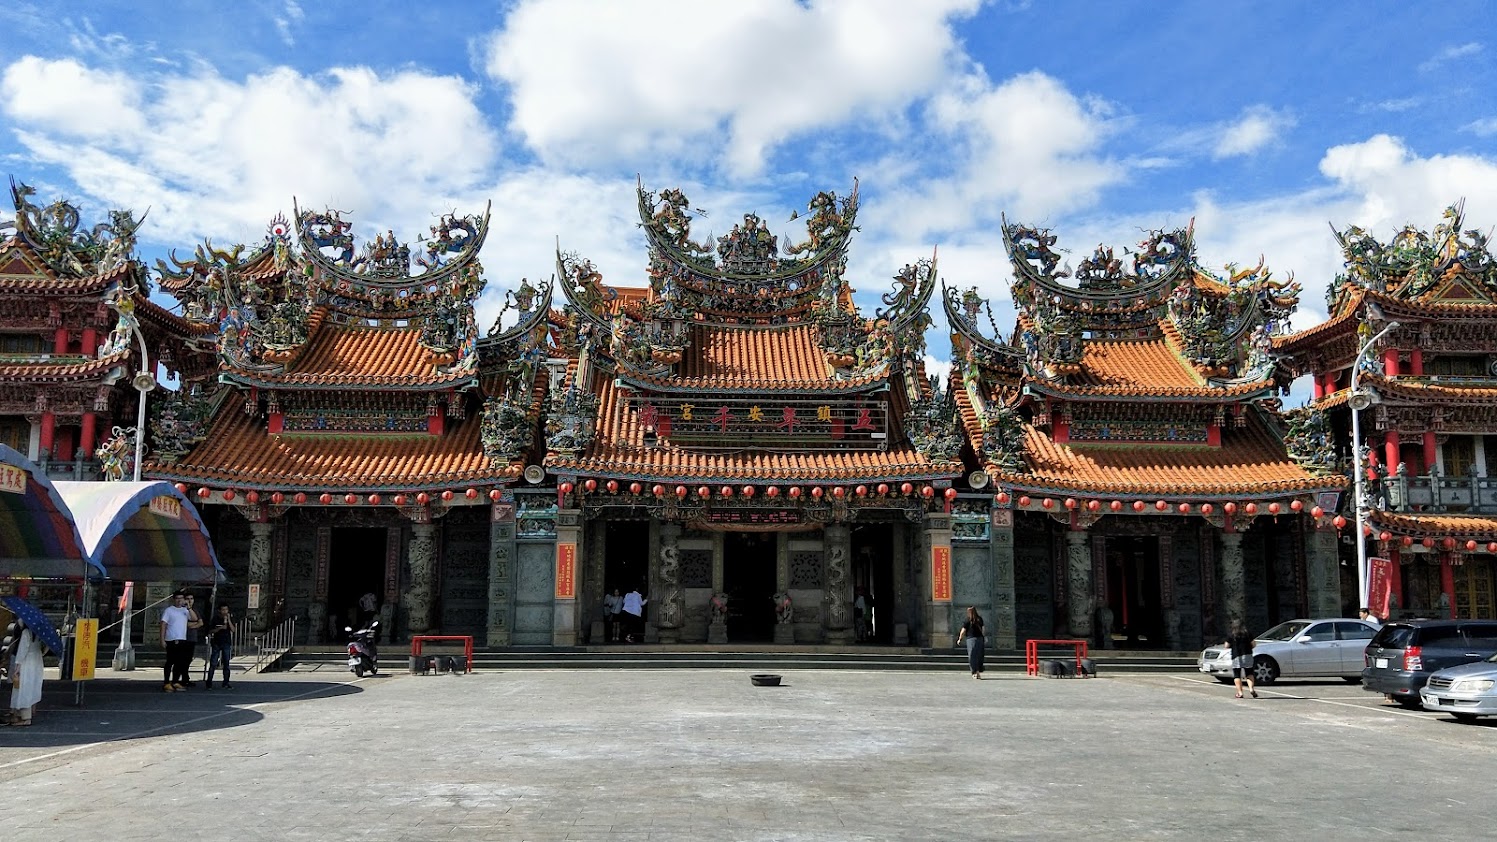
(85,648)
(566,571)
(940,574)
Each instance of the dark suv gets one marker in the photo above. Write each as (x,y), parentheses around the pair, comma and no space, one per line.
(1400,659)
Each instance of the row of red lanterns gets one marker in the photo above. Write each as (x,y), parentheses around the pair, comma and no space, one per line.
(1231,508)
(748,491)
(326,498)
(1448,544)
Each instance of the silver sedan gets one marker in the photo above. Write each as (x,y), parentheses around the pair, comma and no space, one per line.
(1465,692)
(1329,648)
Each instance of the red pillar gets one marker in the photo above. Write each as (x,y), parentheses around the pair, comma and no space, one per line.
(1416,362)
(60,341)
(1390,362)
(90,422)
(1395,577)
(49,429)
(1390,451)
(90,341)
(1317,387)
(1447,584)
(1430,451)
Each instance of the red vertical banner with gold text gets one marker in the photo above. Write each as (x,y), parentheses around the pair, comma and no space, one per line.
(940,574)
(566,571)
(1379,586)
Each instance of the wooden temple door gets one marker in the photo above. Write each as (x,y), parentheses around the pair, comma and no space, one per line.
(1473,589)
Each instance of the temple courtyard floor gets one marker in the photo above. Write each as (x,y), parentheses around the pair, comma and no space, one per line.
(701,754)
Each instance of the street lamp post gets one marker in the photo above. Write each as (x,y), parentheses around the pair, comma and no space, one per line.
(1358,402)
(144,382)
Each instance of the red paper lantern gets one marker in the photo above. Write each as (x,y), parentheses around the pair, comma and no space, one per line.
(447,495)
(1093,505)
(1161,505)
(400,499)
(950,494)
(204,493)
(472,493)
(1317,512)
(861,491)
(1116,505)
(1339,521)
(612,486)
(772,491)
(927,492)
(495,495)
(727,491)
(1251,508)
(1047,503)
(1003,498)
(816,491)
(181,487)
(252,496)
(423,498)
(1448,543)
(565,488)
(325,498)
(277,497)
(839,492)
(748,491)
(1024,502)
(1470,546)
(1296,506)
(591,484)
(906,488)
(1273,508)
(300,498)
(1183,508)
(1138,505)
(634,488)
(1366,530)
(1071,503)
(794,491)
(704,492)
(1385,536)
(1230,508)
(1406,540)
(1207,508)
(883,488)
(374,499)
(681,491)
(228,494)
(1492,546)
(1429,543)
(658,491)
(350,498)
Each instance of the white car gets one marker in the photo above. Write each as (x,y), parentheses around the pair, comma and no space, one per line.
(1299,649)
(1465,692)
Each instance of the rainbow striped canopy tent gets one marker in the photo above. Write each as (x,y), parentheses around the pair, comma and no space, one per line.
(142,531)
(38,537)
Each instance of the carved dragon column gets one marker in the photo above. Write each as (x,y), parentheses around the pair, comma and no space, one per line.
(1234,579)
(418,594)
(501,550)
(259,572)
(672,598)
(1079,579)
(838,594)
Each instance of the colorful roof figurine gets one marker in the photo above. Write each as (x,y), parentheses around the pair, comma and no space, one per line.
(1146,376)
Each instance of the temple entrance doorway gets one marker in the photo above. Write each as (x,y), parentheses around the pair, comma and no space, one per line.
(873,579)
(356,566)
(626,563)
(1133,592)
(749,580)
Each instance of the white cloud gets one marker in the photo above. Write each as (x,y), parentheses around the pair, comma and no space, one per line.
(596,82)
(291,15)
(1486,126)
(218,157)
(1258,127)
(1449,54)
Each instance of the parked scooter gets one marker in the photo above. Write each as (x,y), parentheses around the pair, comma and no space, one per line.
(363,655)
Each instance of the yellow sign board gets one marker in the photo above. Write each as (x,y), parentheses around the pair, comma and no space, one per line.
(12,479)
(85,648)
(167,506)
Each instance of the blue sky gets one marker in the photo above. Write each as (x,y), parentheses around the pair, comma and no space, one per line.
(1262,121)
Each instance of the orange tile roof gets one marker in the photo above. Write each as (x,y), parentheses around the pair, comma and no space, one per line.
(67,369)
(1310,337)
(342,356)
(1250,460)
(618,450)
(1460,527)
(779,358)
(239,453)
(1139,368)
(1420,388)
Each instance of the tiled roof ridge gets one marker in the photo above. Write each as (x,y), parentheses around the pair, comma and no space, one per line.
(58,372)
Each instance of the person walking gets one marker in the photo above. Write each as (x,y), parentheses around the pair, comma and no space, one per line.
(221,645)
(634,610)
(975,634)
(613,604)
(195,636)
(174,619)
(1241,645)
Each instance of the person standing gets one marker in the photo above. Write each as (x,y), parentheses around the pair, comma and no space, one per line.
(195,637)
(634,610)
(974,633)
(1366,615)
(221,645)
(174,619)
(1242,658)
(26,674)
(613,603)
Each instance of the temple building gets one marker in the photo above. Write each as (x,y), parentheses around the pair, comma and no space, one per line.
(1427,393)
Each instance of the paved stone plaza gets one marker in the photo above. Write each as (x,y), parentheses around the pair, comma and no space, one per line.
(701,754)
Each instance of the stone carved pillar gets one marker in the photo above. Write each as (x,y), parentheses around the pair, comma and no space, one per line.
(317,608)
(1079,580)
(501,550)
(259,572)
(1233,579)
(838,594)
(418,595)
(1005,605)
(672,610)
